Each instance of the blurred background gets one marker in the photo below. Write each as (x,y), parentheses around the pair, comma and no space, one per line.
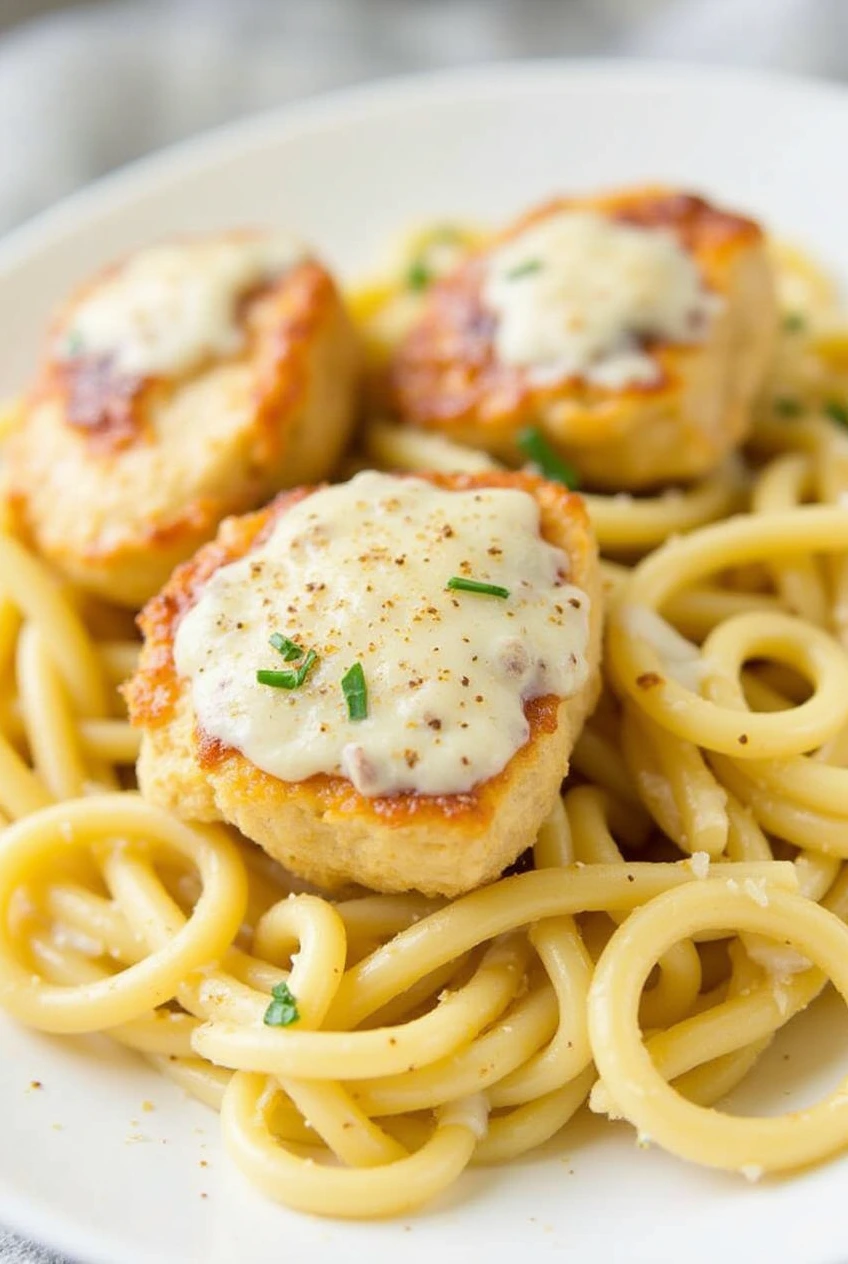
(86,87)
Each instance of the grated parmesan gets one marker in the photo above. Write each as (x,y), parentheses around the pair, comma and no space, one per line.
(470,1112)
(755,888)
(699,863)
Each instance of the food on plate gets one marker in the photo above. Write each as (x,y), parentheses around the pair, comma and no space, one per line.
(384,1007)
(380,682)
(189,381)
(633,328)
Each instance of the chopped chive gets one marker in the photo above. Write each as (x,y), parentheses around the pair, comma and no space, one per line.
(282,1011)
(73,343)
(287,648)
(787,407)
(534,445)
(418,275)
(794,322)
(355,691)
(524,269)
(459,584)
(288,679)
(837,411)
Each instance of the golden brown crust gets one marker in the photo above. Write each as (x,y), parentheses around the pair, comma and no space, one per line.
(107,407)
(151,692)
(336,796)
(117,479)
(387,843)
(446,375)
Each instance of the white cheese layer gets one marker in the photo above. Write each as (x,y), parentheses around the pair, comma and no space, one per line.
(358,573)
(576,293)
(170,307)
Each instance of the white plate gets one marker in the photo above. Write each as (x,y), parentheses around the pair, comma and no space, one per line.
(82,1165)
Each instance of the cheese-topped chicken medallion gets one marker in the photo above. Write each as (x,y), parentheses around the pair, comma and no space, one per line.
(635,328)
(381,681)
(192,380)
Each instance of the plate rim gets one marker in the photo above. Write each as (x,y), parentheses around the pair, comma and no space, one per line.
(352,103)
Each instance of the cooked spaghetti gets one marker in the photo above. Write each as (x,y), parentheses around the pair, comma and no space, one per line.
(686,898)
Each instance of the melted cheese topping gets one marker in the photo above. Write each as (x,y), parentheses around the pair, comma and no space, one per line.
(170,307)
(577,293)
(357,572)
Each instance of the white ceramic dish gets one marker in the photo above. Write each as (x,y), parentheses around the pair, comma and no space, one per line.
(83,1165)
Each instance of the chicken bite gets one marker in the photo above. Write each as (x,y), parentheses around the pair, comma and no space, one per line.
(191,380)
(379,682)
(633,328)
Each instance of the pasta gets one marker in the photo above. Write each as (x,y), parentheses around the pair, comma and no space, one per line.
(687,897)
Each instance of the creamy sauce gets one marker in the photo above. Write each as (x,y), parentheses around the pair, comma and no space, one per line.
(357,573)
(170,307)
(576,293)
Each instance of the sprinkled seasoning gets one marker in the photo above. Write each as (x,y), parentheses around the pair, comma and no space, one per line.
(405,685)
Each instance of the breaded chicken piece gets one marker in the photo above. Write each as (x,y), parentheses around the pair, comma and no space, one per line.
(321,826)
(190,381)
(633,328)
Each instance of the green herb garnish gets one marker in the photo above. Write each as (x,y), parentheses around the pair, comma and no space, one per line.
(794,323)
(288,679)
(459,584)
(787,407)
(524,269)
(73,344)
(287,648)
(534,445)
(418,275)
(282,1011)
(355,691)
(837,411)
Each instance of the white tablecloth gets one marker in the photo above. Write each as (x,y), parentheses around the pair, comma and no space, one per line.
(87,89)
